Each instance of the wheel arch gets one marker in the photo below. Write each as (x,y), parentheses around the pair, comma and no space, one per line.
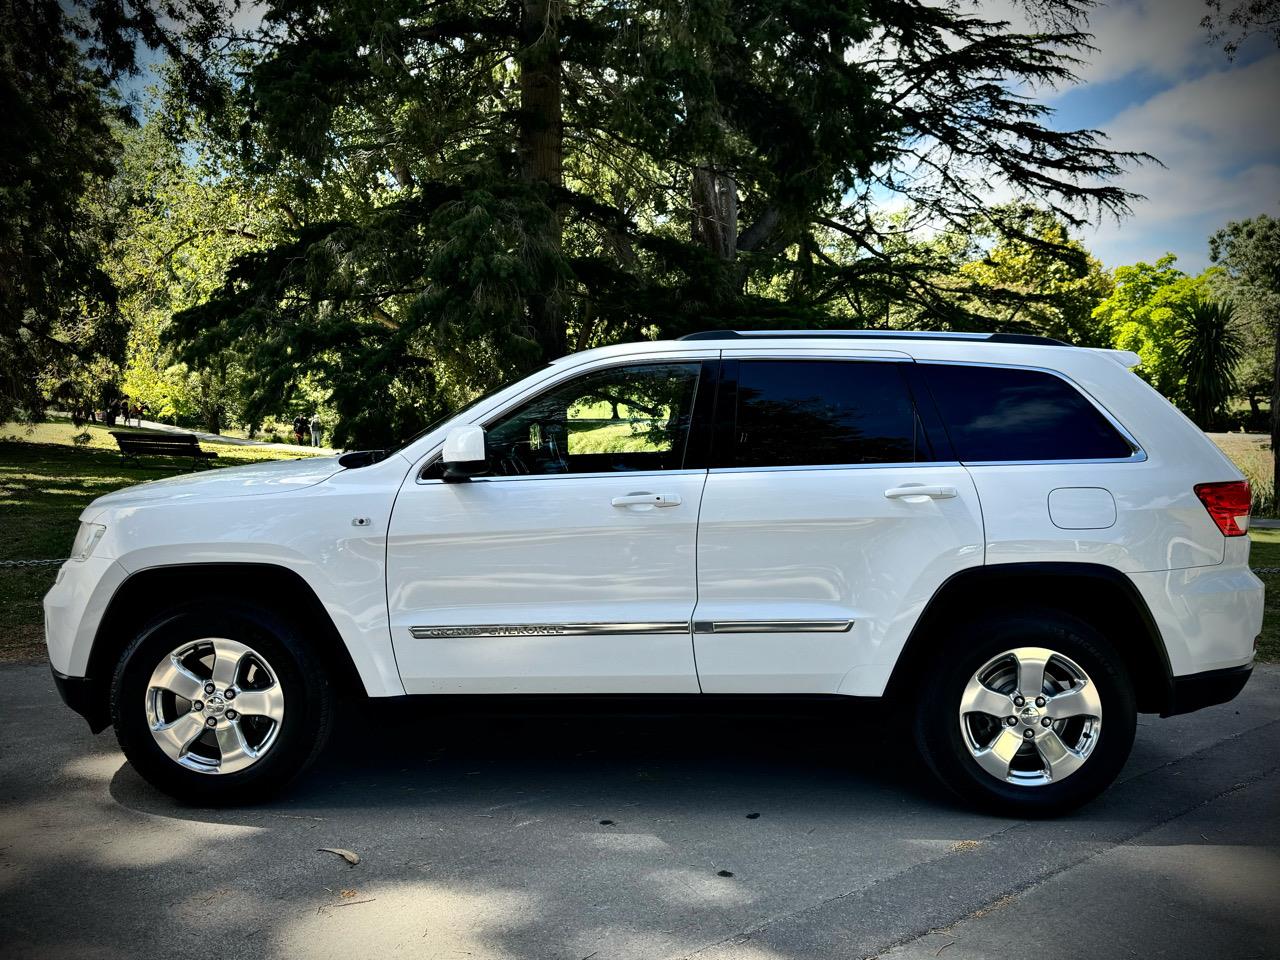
(134,603)
(1099,594)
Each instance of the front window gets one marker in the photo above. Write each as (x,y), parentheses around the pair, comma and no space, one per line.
(617,420)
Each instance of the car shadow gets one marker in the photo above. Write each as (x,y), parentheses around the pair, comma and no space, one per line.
(603,754)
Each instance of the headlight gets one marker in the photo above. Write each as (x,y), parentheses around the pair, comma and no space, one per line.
(87,538)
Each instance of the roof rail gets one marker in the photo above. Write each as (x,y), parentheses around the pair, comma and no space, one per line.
(1027,338)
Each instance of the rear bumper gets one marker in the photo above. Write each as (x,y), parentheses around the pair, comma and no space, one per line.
(1198,690)
(85,697)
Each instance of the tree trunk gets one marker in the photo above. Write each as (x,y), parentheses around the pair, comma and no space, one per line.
(541,145)
(715,212)
(1275,412)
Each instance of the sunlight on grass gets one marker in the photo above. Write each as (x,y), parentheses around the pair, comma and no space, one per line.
(46,479)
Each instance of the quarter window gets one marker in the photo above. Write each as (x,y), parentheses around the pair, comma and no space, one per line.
(817,412)
(1010,414)
(617,420)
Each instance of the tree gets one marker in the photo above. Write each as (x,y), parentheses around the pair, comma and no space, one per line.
(57,308)
(1233,23)
(186,218)
(1145,314)
(1249,251)
(1039,280)
(475,187)
(1209,349)
(59,119)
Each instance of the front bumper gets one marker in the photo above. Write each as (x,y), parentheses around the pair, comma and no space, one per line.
(1198,690)
(73,609)
(86,697)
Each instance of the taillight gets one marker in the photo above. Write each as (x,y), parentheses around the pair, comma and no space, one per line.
(1228,504)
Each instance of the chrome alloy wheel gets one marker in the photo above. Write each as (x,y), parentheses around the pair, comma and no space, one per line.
(214,706)
(1030,716)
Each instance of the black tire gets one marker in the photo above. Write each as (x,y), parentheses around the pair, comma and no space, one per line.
(972,645)
(308,698)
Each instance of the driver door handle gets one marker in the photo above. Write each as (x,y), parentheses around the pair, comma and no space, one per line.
(920,491)
(647,500)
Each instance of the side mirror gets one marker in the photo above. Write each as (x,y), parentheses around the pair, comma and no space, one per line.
(464,455)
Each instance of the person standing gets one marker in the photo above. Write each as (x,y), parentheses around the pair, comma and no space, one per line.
(316,429)
(299,428)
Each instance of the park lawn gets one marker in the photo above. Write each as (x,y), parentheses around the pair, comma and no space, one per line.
(1251,453)
(45,481)
(1265,553)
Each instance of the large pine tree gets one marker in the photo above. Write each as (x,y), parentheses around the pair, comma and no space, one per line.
(476,186)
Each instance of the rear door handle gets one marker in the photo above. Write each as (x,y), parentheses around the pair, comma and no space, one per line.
(647,500)
(916,492)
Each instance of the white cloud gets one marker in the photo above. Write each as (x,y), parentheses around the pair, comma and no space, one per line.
(1159,37)
(1219,141)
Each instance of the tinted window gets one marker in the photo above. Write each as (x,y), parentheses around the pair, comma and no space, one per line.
(621,419)
(811,412)
(998,413)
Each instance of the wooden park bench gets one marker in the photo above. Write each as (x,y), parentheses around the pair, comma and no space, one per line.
(134,444)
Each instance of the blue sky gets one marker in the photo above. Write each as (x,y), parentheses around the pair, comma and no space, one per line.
(1156,85)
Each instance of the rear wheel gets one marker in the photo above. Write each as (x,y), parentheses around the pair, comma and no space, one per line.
(220,703)
(1014,721)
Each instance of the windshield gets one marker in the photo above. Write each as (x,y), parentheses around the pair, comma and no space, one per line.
(462,409)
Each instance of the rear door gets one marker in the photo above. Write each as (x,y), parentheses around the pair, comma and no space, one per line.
(832,513)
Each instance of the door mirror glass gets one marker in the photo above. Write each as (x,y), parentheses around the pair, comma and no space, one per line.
(464,455)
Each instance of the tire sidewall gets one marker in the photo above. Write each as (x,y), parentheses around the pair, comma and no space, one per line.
(307,700)
(942,740)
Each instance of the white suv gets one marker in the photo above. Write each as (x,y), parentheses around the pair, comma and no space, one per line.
(1013,538)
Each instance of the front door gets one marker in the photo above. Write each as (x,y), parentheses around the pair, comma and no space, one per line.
(571,567)
(829,520)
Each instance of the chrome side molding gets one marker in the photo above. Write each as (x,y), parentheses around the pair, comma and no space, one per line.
(772,626)
(546,629)
(494,630)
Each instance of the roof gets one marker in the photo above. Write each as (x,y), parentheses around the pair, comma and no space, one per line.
(1024,338)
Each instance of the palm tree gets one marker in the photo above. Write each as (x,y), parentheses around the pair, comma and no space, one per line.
(1210,349)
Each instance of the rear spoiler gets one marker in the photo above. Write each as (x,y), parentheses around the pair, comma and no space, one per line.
(1126,358)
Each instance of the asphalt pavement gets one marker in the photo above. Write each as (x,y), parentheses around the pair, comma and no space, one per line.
(752,837)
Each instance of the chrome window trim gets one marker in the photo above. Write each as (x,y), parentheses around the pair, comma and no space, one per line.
(913,464)
(617,474)
(851,355)
(1139,455)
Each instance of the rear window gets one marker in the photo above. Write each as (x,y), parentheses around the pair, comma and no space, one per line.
(1009,414)
(821,412)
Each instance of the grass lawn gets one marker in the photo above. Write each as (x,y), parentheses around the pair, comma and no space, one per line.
(1265,552)
(46,479)
(1251,453)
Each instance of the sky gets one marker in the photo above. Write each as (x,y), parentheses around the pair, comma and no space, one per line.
(1156,85)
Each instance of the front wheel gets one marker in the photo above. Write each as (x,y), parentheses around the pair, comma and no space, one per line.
(217,703)
(1032,715)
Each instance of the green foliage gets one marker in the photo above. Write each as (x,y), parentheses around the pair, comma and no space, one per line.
(1209,349)
(57,307)
(1037,279)
(1249,253)
(1145,314)
(471,188)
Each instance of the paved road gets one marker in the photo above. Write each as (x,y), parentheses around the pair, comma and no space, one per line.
(751,838)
